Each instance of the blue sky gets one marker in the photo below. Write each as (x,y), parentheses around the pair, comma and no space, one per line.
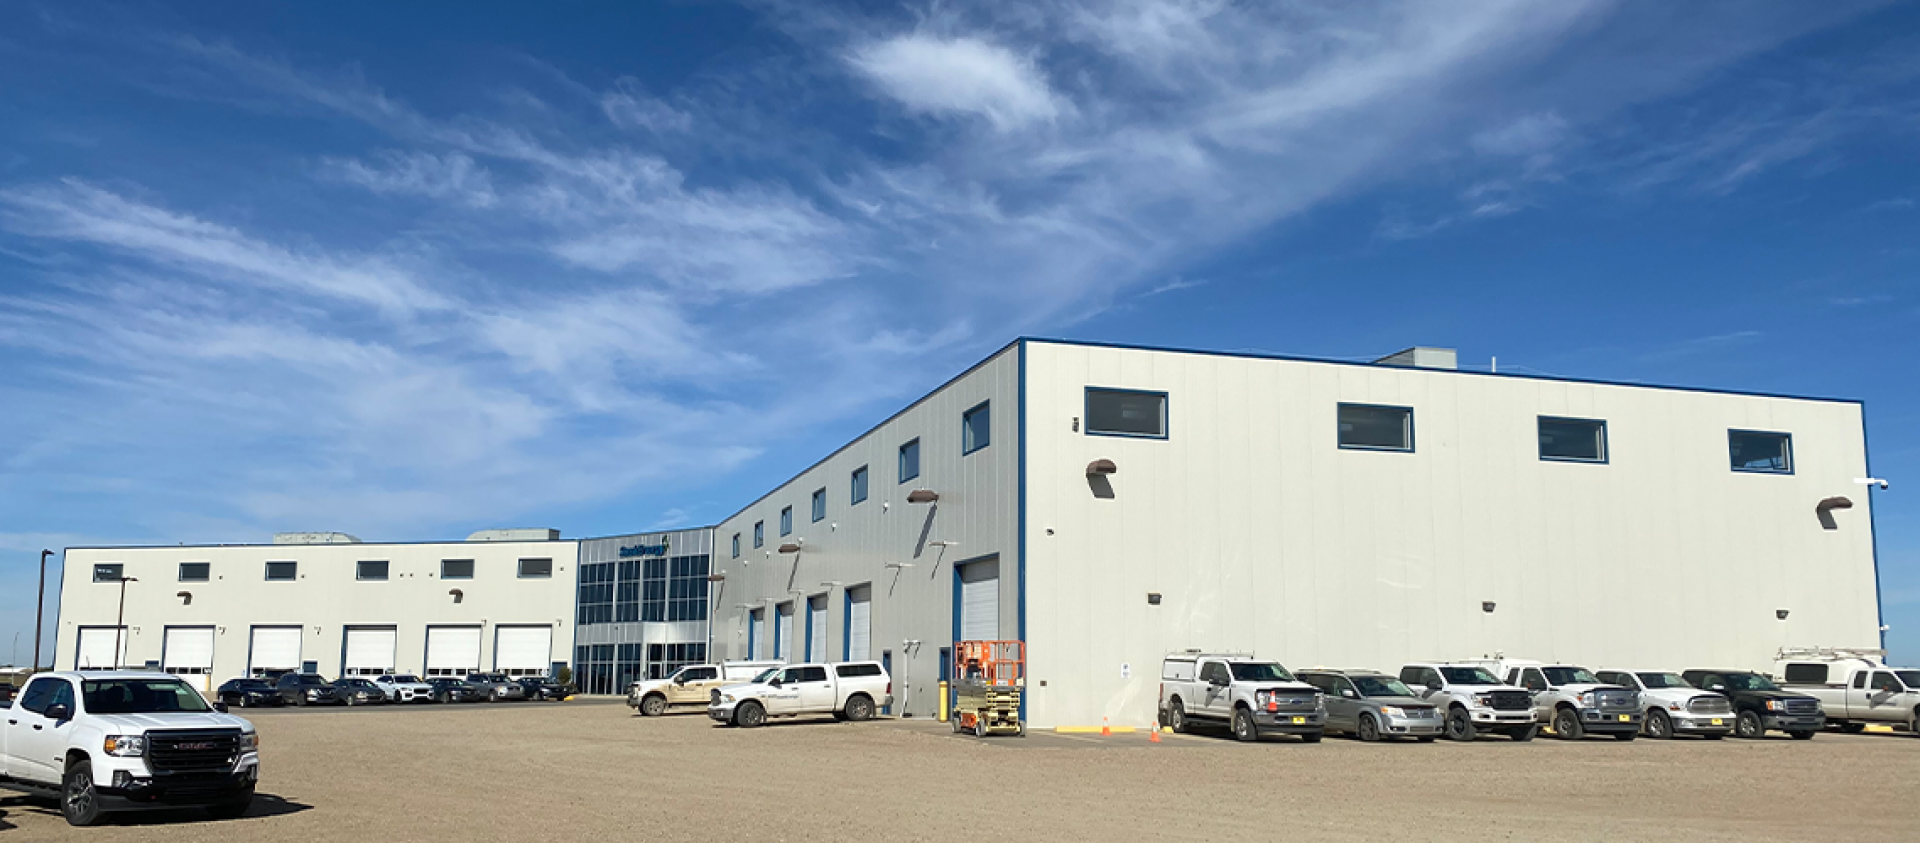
(409,272)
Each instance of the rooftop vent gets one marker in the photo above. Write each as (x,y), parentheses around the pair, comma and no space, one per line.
(1422,357)
(528,535)
(314,538)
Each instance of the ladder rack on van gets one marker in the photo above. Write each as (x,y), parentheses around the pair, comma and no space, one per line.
(1865,653)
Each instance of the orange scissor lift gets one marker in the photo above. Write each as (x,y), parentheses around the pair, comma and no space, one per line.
(989,678)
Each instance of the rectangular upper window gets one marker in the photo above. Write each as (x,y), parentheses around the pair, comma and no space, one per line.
(759,533)
(786,521)
(1376,428)
(196,571)
(109,572)
(736,545)
(1573,440)
(1119,412)
(282,571)
(859,485)
(371,570)
(976,428)
(819,503)
(909,460)
(1758,451)
(456,569)
(536,569)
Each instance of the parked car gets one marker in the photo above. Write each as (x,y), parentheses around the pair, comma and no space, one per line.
(358,690)
(1252,696)
(1759,705)
(1855,687)
(690,685)
(498,687)
(848,690)
(307,689)
(247,693)
(544,688)
(1371,705)
(404,687)
(1472,700)
(1673,706)
(106,741)
(449,689)
(1573,701)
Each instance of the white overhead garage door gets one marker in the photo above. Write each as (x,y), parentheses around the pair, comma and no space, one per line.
(453,650)
(756,634)
(817,628)
(275,648)
(369,651)
(860,623)
(188,652)
(97,648)
(980,601)
(522,650)
(783,633)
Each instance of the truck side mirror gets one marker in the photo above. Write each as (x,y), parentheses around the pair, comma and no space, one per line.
(1433,684)
(775,682)
(1349,693)
(220,707)
(59,711)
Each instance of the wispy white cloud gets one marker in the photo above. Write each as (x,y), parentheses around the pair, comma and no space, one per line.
(959,75)
(452,176)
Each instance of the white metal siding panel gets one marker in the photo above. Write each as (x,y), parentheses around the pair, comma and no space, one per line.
(188,650)
(860,624)
(275,648)
(784,647)
(522,650)
(369,651)
(453,650)
(96,648)
(980,601)
(816,629)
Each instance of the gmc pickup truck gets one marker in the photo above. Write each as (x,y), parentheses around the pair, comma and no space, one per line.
(105,741)
(848,691)
(1855,688)
(1252,696)
(1759,705)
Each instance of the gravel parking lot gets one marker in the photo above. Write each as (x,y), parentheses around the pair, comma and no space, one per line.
(590,770)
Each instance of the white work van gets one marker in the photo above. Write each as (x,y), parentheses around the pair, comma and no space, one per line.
(1855,688)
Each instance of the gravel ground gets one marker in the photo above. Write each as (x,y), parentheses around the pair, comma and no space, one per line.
(590,770)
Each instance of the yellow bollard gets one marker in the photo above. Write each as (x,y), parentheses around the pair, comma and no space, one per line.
(944,701)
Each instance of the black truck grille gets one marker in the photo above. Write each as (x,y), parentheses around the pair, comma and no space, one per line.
(1511,700)
(1709,705)
(1803,706)
(176,753)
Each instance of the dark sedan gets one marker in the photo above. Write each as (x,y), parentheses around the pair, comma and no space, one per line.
(247,693)
(451,689)
(308,689)
(543,688)
(358,691)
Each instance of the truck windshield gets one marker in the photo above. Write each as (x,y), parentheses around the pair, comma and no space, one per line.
(765,675)
(1259,672)
(1656,681)
(1570,676)
(1468,676)
(140,696)
(1381,686)
(1750,682)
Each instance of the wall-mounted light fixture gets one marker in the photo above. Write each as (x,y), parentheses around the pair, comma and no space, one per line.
(922,496)
(898,565)
(1833,503)
(1153,598)
(1102,467)
(1780,613)
(791,547)
(1487,606)
(1872,481)
(719,577)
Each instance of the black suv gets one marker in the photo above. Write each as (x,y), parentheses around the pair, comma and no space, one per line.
(307,689)
(1760,705)
(247,693)
(543,688)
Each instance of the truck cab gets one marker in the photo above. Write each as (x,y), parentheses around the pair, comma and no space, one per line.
(1472,699)
(1759,705)
(1252,696)
(1855,688)
(1574,702)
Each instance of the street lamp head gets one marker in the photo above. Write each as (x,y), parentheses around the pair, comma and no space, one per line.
(922,496)
(790,547)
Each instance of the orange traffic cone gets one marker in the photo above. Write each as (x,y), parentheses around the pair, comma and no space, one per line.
(1155,736)
(1106,731)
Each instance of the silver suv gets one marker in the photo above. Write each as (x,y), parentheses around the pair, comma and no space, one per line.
(497,686)
(1371,705)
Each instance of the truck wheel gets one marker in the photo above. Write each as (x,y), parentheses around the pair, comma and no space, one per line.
(1243,728)
(1801,736)
(1748,725)
(1659,725)
(231,810)
(1177,717)
(653,705)
(1853,728)
(749,715)
(79,803)
(1369,729)
(1459,725)
(859,707)
(1566,725)
(980,727)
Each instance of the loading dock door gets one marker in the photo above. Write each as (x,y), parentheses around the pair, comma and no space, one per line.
(96,648)
(188,653)
(522,650)
(756,634)
(817,629)
(980,601)
(860,623)
(369,651)
(275,648)
(783,633)
(453,650)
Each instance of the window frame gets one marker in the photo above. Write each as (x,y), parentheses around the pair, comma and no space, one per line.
(1606,445)
(520,568)
(267,570)
(360,575)
(913,443)
(1410,428)
(966,429)
(470,571)
(786,521)
(1166,413)
(736,545)
(858,482)
(818,506)
(181,576)
(1784,435)
(120,567)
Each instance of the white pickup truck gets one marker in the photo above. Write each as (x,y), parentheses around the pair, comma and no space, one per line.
(105,741)
(1252,696)
(690,685)
(1855,687)
(848,691)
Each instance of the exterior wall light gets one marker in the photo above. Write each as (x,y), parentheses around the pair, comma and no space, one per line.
(790,547)
(922,496)
(1153,598)
(1102,467)
(1487,606)
(1833,503)
(1780,613)
(186,598)
(457,594)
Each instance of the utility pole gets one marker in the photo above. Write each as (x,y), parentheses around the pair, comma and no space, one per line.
(39,600)
(120,623)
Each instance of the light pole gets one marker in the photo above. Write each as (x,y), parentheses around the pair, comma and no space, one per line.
(39,600)
(120,622)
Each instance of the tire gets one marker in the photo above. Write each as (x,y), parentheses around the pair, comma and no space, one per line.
(1177,717)
(1566,725)
(1659,726)
(1801,736)
(231,810)
(653,705)
(859,707)
(1524,733)
(1243,728)
(1853,728)
(79,800)
(1459,726)
(955,720)
(1625,736)
(1368,730)
(750,715)
(980,727)
(243,702)
(1747,725)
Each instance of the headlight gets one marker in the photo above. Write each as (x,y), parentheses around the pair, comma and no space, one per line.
(1261,697)
(1587,699)
(1392,711)
(249,741)
(1776,705)
(126,745)
(1483,700)
(726,697)
(313,692)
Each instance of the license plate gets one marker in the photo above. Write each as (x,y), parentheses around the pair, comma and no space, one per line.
(1626,718)
(1299,720)
(1718,722)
